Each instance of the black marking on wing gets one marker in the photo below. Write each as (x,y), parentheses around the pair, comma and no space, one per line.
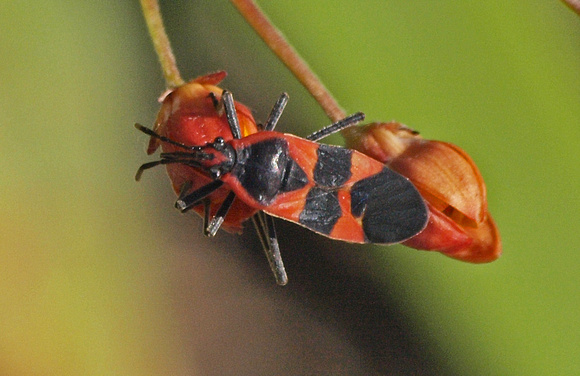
(321,210)
(391,208)
(333,166)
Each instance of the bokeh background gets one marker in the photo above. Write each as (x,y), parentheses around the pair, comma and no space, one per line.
(99,275)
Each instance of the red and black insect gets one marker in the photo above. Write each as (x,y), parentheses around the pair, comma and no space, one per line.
(334,191)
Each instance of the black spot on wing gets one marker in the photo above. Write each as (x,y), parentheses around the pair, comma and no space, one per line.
(391,208)
(333,165)
(321,211)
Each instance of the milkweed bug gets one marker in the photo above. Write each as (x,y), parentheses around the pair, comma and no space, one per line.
(334,191)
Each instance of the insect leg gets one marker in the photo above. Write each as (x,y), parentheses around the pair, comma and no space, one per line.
(273,254)
(276,112)
(206,209)
(231,114)
(266,231)
(217,221)
(185,187)
(192,199)
(260,231)
(215,102)
(335,127)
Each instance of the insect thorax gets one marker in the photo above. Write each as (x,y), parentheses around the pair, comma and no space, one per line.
(266,169)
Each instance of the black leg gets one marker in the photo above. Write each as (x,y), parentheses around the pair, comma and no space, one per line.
(266,231)
(192,199)
(185,187)
(335,127)
(215,102)
(260,231)
(206,213)
(217,221)
(276,112)
(274,256)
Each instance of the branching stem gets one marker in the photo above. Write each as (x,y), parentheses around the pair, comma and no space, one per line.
(574,5)
(286,53)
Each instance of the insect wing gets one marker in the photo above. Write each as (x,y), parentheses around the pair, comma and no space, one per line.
(350,196)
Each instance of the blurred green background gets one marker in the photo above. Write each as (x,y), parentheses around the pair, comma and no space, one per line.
(99,275)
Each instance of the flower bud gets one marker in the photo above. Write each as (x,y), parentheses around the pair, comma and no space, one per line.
(189,115)
(460,225)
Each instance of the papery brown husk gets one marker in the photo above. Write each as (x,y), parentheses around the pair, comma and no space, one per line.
(460,225)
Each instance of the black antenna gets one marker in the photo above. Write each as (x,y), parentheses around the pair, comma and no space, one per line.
(152,133)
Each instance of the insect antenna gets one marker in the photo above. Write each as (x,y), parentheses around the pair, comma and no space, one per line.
(348,121)
(152,133)
(148,165)
(145,166)
(190,158)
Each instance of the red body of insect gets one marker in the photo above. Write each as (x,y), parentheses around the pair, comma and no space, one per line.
(189,115)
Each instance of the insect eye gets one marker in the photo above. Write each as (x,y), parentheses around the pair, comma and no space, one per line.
(219,143)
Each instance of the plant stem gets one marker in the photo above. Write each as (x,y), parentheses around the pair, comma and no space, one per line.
(574,5)
(280,46)
(161,43)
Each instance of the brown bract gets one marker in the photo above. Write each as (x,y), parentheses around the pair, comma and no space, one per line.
(460,225)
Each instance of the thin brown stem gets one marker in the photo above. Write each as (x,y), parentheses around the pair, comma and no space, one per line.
(286,53)
(161,43)
(574,5)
